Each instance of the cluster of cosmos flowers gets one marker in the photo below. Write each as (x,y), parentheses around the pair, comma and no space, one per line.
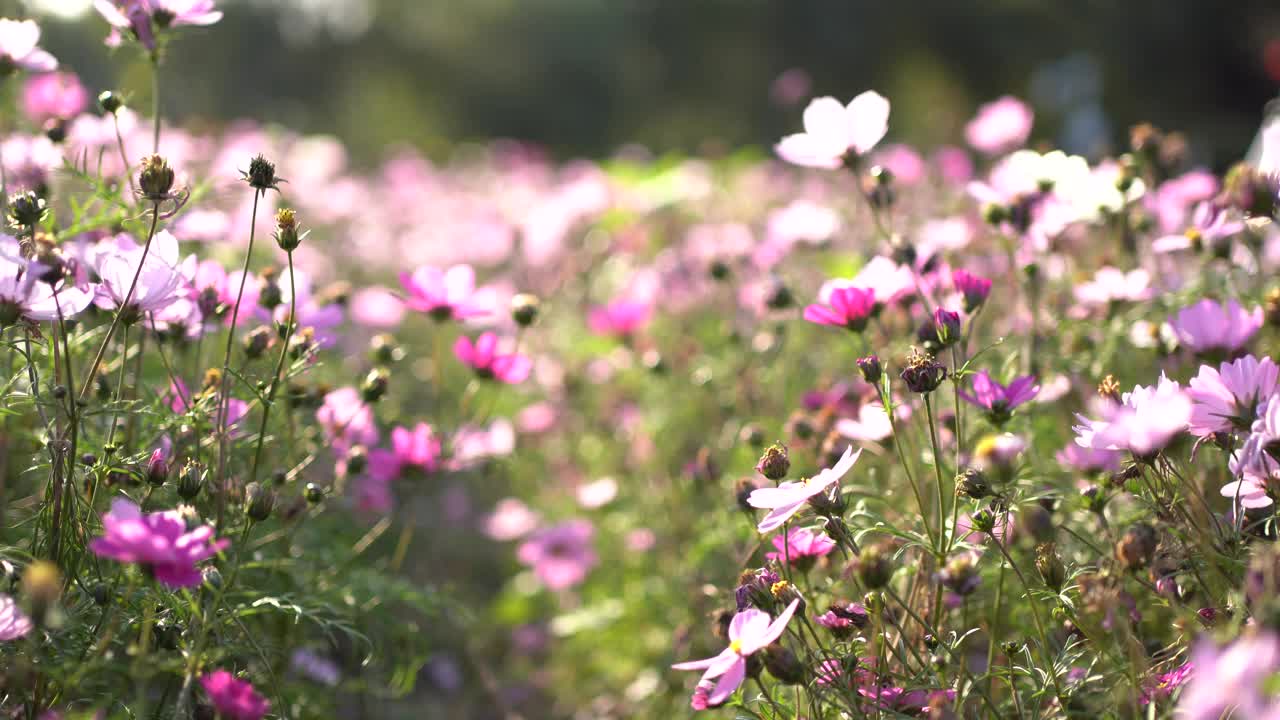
(1018,455)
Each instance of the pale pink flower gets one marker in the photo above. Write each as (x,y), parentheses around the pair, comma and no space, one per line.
(53,95)
(562,555)
(13,622)
(447,294)
(1208,326)
(1000,126)
(511,519)
(620,317)
(1143,422)
(790,497)
(418,446)
(832,130)
(347,420)
(1227,398)
(750,631)
(18,46)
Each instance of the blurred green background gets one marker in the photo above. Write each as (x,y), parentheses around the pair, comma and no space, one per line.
(586,77)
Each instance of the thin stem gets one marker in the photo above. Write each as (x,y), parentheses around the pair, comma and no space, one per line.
(155,102)
(1035,615)
(276,375)
(937,470)
(124,157)
(223,391)
(124,303)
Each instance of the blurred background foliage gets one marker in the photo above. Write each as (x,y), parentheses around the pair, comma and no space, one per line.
(586,77)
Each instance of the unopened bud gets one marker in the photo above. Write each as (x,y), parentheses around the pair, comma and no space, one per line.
(524,309)
(775,463)
(155,180)
(259,501)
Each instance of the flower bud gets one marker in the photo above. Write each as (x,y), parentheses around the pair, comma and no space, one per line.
(972,483)
(778,296)
(357,460)
(375,384)
(870,368)
(190,480)
(384,350)
(922,373)
(1138,545)
(1050,566)
(873,567)
(56,130)
(110,102)
(155,179)
(960,573)
(742,491)
(754,589)
(261,175)
(524,309)
(27,209)
(313,494)
(257,342)
(157,468)
(775,463)
(259,501)
(783,665)
(947,326)
(287,236)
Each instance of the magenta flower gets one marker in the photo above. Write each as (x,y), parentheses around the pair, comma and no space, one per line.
(234,699)
(788,498)
(561,555)
(801,547)
(621,318)
(347,420)
(1163,685)
(159,541)
(418,446)
(1000,400)
(446,294)
(749,632)
(1208,327)
(13,622)
(974,288)
(489,364)
(18,47)
(53,95)
(1000,126)
(1234,680)
(1227,398)
(1143,422)
(850,307)
(832,130)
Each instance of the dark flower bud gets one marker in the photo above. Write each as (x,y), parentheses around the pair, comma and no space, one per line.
(1138,545)
(212,577)
(109,102)
(56,130)
(873,566)
(357,460)
(931,642)
(972,483)
(190,480)
(783,665)
(830,504)
(1010,647)
(155,179)
(257,342)
(800,425)
(778,296)
(946,324)
(27,209)
(259,501)
(261,175)
(754,589)
(719,270)
(101,594)
(775,463)
(524,309)
(313,494)
(870,368)
(984,521)
(157,469)
(742,490)
(88,459)
(1093,499)
(1036,523)
(287,236)
(59,392)
(384,349)
(922,373)
(960,573)
(1050,566)
(994,213)
(752,435)
(878,187)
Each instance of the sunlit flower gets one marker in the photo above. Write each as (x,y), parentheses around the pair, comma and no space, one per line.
(1210,327)
(13,622)
(447,294)
(484,357)
(749,632)
(788,498)
(832,130)
(1226,398)
(1000,126)
(159,541)
(800,547)
(1143,422)
(18,47)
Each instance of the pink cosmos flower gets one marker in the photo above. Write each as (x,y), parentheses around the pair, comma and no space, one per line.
(1089,459)
(1143,422)
(137,17)
(347,420)
(890,281)
(13,622)
(749,632)
(234,699)
(1209,224)
(483,357)
(974,288)
(510,519)
(18,41)
(1255,466)
(832,130)
(447,294)
(159,284)
(871,425)
(1163,685)
(1000,126)
(788,498)
(1208,326)
(801,547)
(620,318)
(561,555)
(850,307)
(1109,285)
(954,165)
(419,446)
(1233,680)
(24,296)
(53,95)
(1227,398)
(158,541)
(1000,399)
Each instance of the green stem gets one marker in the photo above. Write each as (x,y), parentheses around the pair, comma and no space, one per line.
(276,375)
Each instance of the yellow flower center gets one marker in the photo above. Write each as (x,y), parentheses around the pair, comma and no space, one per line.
(736,646)
(779,587)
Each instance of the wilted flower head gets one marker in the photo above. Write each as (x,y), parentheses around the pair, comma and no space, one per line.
(158,541)
(832,130)
(750,631)
(922,373)
(234,699)
(561,555)
(1209,327)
